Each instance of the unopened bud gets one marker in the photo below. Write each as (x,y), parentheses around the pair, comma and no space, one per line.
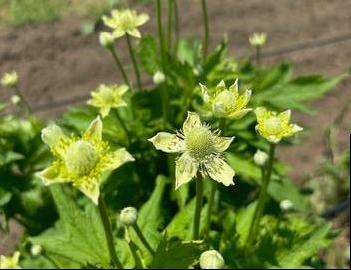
(15,99)
(129,216)
(260,158)
(9,79)
(286,205)
(159,77)
(106,40)
(211,259)
(35,250)
(51,134)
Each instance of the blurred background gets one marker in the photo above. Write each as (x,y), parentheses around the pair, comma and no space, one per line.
(54,47)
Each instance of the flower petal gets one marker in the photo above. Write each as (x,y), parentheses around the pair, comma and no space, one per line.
(110,22)
(134,32)
(90,187)
(186,169)
(116,159)
(220,86)
(94,131)
(285,117)
(141,19)
(51,175)
(239,114)
(222,143)
(122,89)
(261,114)
(104,111)
(193,120)
(220,171)
(118,33)
(167,142)
(52,134)
(244,99)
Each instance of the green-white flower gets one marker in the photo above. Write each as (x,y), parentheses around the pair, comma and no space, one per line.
(273,127)
(211,259)
(9,79)
(106,97)
(125,21)
(225,102)
(10,262)
(201,151)
(106,39)
(81,160)
(258,39)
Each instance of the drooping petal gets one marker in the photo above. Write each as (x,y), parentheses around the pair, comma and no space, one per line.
(167,142)
(193,120)
(141,19)
(239,114)
(220,171)
(222,143)
(134,32)
(116,159)
(90,187)
(52,175)
(118,33)
(94,131)
(186,169)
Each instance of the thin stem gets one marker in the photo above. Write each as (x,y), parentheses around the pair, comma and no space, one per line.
(143,239)
(176,25)
(108,233)
(123,125)
(120,67)
(170,19)
(197,214)
(23,100)
(164,93)
(135,64)
(258,55)
(266,177)
(207,32)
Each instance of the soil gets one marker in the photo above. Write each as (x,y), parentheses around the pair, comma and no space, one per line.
(57,64)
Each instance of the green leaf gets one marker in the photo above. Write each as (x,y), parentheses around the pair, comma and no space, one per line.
(78,237)
(148,54)
(243,221)
(177,254)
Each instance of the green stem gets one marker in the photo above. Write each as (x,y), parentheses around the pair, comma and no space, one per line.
(176,25)
(197,214)
(123,125)
(266,177)
(258,55)
(120,67)
(164,93)
(135,64)
(108,233)
(142,238)
(207,32)
(28,108)
(170,19)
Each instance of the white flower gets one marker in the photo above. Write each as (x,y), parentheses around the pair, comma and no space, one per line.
(258,39)
(211,259)
(260,158)
(106,39)
(159,77)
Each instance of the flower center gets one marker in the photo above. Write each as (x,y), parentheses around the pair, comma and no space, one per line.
(107,95)
(81,158)
(199,142)
(273,125)
(127,21)
(224,102)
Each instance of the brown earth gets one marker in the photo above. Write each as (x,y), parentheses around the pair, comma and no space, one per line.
(57,64)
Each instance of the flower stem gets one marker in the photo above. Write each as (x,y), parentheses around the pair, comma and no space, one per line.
(123,125)
(143,239)
(197,214)
(108,233)
(266,177)
(207,32)
(28,108)
(120,67)
(176,25)
(170,19)
(258,55)
(164,93)
(135,64)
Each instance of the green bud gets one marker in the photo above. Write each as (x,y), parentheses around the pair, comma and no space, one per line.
(106,40)
(129,216)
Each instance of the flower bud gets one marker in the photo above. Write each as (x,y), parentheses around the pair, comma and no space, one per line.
(159,77)
(35,250)
(129,216)
(211,259)
(258,39)
(286,205)
(260,158)
(106,40)
(9,79)
(15,99)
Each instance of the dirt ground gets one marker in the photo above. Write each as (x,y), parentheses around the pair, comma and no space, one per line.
(57,64)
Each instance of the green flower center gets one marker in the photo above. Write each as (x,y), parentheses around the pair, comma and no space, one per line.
(199,142)
(127,21)
(81,158)
(224,102)
(107,95)
(273,125)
